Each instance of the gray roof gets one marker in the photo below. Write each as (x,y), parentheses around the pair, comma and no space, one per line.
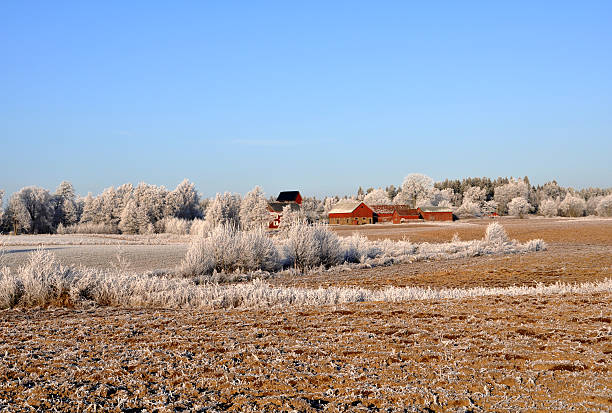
(345,206)
(435,209)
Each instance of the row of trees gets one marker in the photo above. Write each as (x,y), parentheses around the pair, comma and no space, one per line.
(480,196)
(150,208)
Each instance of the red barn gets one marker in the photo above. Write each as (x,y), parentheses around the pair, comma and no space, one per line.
(383,213)
(436,213)
(290,196)
(402,213)
(350,212)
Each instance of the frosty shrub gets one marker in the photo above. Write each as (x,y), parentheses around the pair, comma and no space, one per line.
(199,227)
(519,207)
(572,206)
(311,245)
(357,248)
(39,282)
(228,250)
(549,208)
(468,209)
(496,234)
(259,251)
(604,208)
(42,282)
(175,226)
(87,228)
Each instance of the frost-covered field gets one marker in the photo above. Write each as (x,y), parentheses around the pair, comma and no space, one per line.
(528,330)
(90,239)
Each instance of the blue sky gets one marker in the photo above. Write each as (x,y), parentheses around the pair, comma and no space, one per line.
(318,96)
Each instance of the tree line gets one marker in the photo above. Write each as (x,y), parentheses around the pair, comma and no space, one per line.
(147,209)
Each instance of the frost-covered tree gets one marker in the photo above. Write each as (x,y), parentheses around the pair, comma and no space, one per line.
(415,187)
(519,207)
(130,223)
(549,208)
(1,204)
(604,208)
(475,194)
(377,197)
(592,203)
(224,209)
(254,210)
(32,209)
(572,206)
(64,205)
(507,192)
(329,203)
(312,209)
(468,209)
(91,207)
(290,217)
(489,207)
(183,202)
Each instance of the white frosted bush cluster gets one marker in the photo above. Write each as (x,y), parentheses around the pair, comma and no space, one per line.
(549,208)
(572,206)
(86,228)
(604,207)
(519,207)
(309,246)
(176,226)
(468,209)
(229,250)
(43,282)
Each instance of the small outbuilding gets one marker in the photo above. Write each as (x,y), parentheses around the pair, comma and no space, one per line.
(351,212)
(383,213)
(403,214)
(436,213)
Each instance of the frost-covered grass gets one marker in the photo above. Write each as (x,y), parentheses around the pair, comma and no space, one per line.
(304,247)
(44,282)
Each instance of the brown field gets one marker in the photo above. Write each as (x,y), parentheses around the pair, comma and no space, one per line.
(533,353)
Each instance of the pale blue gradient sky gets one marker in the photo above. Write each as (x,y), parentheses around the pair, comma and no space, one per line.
(319,96)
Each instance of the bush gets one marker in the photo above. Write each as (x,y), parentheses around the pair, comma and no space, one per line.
(604,208)
(572,206)
(175,226)
(519,207)
(87,228)
(496,234)
(549,208)
(199,227)
(228,250)
(311,245)
(468,209)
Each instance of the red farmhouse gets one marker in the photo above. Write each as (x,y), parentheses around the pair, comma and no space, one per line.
(350,212)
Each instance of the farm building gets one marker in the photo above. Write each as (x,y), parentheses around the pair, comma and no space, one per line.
(403,213)
(290,196)
(436,213)
(393,213)
(293,199)
(351,212)
(383,213)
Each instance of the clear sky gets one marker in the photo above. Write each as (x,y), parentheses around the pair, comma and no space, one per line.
(316,96)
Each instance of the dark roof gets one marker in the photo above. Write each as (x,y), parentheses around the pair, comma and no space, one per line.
(288,196)
(278,206)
